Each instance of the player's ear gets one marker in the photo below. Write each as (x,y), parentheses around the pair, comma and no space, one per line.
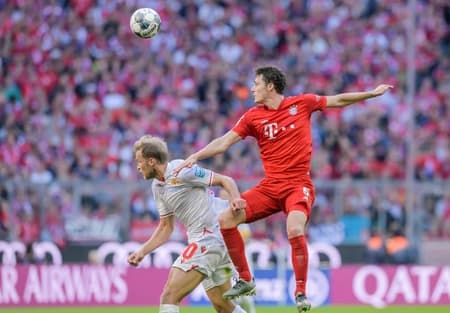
(270,86)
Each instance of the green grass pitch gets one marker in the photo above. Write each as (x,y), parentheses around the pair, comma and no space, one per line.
(259,309)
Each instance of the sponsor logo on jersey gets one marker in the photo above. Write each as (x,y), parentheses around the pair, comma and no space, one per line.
(270,130)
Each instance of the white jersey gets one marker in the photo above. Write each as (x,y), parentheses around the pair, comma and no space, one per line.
(188,198)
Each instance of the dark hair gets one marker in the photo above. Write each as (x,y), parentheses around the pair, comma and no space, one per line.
(273,75)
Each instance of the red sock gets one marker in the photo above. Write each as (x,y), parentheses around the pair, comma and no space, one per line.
(299,257)
(236,250)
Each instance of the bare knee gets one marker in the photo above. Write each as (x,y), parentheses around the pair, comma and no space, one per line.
(170,296)
(296,224)
(227,220)
(295,230)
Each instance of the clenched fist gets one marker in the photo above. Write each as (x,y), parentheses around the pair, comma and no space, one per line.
(135,258)
(238,204)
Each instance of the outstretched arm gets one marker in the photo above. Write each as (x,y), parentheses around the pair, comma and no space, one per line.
(217,146)
(160,236)
(344,99)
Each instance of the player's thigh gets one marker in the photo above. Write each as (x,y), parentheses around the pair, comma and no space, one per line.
(300,197)
(222,272)
(218,282)
(215,295)
(259,204)
(179,284)
(216,285)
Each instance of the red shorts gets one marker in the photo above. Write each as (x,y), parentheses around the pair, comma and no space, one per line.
(271,196)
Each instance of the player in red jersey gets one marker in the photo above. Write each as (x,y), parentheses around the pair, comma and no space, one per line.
(282,127)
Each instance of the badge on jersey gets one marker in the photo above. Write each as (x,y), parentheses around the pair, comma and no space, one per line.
(293,110)
(199,172)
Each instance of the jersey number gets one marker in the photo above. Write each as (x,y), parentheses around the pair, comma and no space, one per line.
(190,251)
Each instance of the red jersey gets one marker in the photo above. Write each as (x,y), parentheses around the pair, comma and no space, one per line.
(283,135)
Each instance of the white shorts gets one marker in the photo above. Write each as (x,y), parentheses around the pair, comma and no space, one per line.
(208,257)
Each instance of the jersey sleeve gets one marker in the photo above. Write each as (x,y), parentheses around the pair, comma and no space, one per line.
(196,175)
(243,127)
(315,102)
(163,209)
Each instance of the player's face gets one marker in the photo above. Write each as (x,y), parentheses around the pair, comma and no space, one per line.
(259,89)
(144,166)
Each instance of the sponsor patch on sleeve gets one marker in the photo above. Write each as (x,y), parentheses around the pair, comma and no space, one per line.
(199,172)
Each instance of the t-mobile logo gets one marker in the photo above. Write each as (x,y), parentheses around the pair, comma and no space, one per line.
(270,130)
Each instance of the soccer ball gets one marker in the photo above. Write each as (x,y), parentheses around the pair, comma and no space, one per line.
(145,22)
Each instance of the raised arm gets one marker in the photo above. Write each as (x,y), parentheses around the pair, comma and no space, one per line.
(159,237)
(217,146)
(344,99)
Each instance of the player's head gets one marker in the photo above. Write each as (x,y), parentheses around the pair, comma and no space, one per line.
(268,80)
(150,152)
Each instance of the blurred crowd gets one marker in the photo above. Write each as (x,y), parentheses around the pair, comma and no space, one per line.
(78,88)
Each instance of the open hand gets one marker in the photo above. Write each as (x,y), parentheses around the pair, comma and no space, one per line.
(189,162)
(381,89)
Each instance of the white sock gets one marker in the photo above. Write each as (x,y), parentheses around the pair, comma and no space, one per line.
(247,303)
(238,309)
(169,308)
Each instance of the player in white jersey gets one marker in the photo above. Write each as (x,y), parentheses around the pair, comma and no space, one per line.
(187,198)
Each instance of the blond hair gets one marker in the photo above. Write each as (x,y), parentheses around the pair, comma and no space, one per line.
(152,147)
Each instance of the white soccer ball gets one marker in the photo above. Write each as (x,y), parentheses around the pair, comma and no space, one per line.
(145,22)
